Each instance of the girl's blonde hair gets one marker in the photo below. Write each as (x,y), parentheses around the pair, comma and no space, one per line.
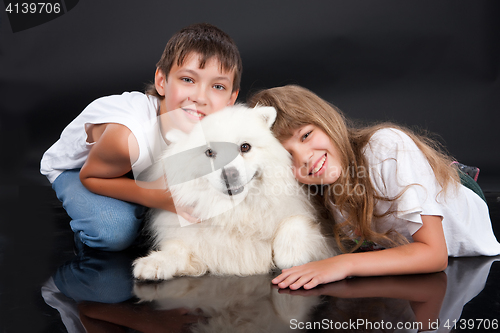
(297,107)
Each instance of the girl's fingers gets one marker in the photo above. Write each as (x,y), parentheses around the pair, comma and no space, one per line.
(285,272)
(296,280)
(285,283)
(300,282)
(276,280)
(311,284)
(279,278)
(294,277)
(288,280)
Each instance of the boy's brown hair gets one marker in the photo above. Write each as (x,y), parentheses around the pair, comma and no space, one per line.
(206,40)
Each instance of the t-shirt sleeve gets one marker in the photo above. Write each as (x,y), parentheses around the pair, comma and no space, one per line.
(136,112)
(400,171)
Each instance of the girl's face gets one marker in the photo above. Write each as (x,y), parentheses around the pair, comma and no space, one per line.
(316,160)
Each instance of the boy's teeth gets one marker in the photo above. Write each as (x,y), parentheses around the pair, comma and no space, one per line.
(320,164)
(194,113)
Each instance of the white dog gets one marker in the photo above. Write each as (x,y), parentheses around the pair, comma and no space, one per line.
(237,177)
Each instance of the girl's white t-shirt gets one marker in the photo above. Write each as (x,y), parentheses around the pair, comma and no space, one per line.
(396,163)
(135,110)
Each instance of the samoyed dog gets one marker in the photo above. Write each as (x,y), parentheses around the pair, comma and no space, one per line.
(237,178)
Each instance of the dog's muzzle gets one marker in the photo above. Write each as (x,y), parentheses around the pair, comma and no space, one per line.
(231,177)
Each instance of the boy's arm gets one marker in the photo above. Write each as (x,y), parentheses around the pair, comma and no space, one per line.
(427,254)
(110,160)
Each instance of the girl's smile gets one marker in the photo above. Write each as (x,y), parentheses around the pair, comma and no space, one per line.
(319,167)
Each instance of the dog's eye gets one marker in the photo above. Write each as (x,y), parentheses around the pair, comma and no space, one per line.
(244,148)
(210,153)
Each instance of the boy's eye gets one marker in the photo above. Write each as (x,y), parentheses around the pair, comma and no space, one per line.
(187,79)
(305,136)
(219,87)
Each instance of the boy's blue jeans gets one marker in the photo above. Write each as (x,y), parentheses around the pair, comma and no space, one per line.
(97,276)
(98,221)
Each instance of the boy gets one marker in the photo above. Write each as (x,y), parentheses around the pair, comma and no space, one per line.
(199,73)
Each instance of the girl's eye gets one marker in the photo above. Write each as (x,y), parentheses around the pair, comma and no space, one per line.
(219,87)
(187,79)
(305,136)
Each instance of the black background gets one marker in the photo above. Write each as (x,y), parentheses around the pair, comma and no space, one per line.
(427,63)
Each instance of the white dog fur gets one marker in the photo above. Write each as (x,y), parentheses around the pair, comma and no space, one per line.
(266,223)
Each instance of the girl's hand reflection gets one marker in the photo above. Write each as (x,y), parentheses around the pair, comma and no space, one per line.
(424,292)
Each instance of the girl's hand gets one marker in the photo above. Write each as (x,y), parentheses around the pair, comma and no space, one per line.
(311,274)
(427,254)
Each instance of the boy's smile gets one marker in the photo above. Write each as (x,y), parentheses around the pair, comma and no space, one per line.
(192,93)
(193,113)
(316,159)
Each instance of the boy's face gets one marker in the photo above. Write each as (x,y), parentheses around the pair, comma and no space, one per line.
(192,93)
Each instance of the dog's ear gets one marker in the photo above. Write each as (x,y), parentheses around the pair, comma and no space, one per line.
(268,113)
(175,135)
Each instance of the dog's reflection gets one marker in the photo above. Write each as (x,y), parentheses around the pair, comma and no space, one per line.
(231,304)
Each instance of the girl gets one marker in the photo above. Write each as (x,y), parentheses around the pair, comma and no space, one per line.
(382,184)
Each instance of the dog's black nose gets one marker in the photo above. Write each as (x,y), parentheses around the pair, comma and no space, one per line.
(230,175)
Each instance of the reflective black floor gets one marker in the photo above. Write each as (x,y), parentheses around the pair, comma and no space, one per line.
(45,287)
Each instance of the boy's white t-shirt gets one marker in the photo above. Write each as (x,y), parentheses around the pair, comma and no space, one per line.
(135,110)
(395,163)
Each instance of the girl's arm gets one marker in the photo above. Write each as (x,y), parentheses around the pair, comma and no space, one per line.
(427,254)
(109,160)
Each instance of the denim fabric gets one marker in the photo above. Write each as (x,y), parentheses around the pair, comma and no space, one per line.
(97,276)
(98,221)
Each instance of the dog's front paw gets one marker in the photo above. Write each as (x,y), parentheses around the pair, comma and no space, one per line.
(155,266)
(299,241)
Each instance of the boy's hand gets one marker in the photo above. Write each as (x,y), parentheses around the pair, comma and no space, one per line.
(185,212)
(163,200)
(110,159)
